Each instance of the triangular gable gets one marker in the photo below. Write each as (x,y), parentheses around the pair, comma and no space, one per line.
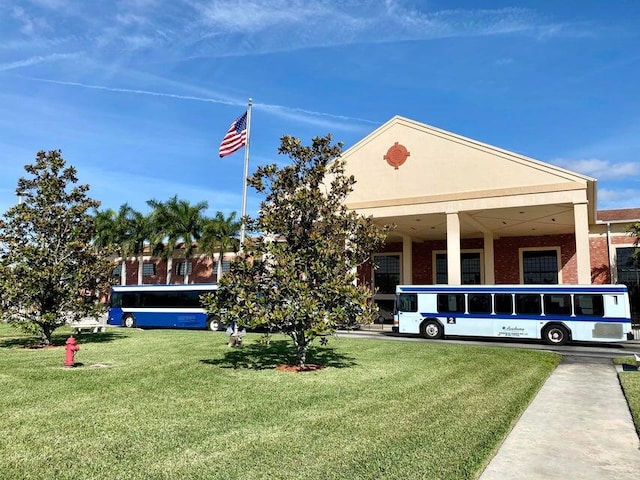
(405,162)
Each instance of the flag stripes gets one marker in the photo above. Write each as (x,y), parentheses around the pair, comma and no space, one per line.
(236,136)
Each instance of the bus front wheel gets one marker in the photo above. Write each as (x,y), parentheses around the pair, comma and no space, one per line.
(555,335)
(214,324)
(128,321)
(431,330)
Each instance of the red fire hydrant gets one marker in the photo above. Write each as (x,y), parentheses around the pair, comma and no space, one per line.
(71,348)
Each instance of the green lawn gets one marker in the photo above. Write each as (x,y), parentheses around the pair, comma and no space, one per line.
(630,382)
(181,404)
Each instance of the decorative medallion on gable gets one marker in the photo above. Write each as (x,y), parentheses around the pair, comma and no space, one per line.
(396,155)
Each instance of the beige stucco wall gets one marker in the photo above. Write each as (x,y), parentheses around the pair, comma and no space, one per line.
(444,167)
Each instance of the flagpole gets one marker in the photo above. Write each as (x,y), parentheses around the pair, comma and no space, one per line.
(245,176)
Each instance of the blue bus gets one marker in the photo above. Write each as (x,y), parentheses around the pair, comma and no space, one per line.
(556,314)
(162,306)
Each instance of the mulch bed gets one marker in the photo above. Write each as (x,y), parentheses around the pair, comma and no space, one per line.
(310,367)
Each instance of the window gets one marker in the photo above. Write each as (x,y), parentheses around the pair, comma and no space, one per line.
(557,304)
(528,304)
(479,303)
(387,274)
(408,302)
(503,303)
(540,266)
(591,305)
(148,269)
(442,276)
(627,266)
(226,266)
(117,270)
(184,268)
(469,266)
(450,302)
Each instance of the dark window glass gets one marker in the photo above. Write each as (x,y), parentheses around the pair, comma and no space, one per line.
(117,270)
(528,304)
(442,276)
(387,273)
(503,303)
(627,265)
(557,304)
(450,302)
(469,265)
(183,267)
(226,266)
(479,303)
(148,269)
(540,266)
(407,302)
(592,305)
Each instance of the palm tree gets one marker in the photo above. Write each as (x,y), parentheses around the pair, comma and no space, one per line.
(140,229)
(177,221)
(113,229)
(220,235)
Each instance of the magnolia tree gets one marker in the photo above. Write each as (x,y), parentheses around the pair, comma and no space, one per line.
(299,276)
(49,269)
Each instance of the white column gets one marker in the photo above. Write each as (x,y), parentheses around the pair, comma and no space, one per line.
(407,260)
(489,260)
(453,249)
(581,219)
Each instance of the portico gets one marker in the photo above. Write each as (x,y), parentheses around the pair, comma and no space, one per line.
(449,196)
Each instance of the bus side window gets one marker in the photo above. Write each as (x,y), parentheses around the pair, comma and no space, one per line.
(408,302)
(451,303)
(592,305)
(503,303)
(557,304)
(479,303)
(528,304)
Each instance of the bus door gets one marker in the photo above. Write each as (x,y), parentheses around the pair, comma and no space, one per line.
(407,310)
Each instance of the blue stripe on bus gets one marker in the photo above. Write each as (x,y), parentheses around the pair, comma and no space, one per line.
(546,318)
(515,289)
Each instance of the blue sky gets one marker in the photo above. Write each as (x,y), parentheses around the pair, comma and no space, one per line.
(138,93)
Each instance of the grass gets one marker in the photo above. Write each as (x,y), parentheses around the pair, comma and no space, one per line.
(630,382)
(181,404)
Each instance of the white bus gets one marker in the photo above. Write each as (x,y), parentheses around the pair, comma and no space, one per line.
(556,314)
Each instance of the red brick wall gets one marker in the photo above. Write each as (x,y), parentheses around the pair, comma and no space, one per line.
(507,257)
(599,254)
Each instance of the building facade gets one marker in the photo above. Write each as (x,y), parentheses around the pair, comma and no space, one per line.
(465,212)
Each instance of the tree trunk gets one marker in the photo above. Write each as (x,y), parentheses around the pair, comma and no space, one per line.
(46,332)
(219,272)
(301,353)
(169,268)
(140,267)
(123,272)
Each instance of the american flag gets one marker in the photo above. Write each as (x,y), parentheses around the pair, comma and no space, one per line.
(236,136)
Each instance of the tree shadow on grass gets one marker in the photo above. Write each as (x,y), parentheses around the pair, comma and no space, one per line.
(58,340)
(257,356)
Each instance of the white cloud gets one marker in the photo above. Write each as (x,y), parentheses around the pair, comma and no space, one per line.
(609,198)
(309,117)
(600,169)
(36,60)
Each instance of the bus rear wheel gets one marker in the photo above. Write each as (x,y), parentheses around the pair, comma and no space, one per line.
(214,324)
(431,329)
(555,335)
(128,321)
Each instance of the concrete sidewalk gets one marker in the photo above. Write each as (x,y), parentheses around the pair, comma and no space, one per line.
(577,427)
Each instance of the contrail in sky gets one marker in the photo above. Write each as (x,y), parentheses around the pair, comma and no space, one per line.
(266,106)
